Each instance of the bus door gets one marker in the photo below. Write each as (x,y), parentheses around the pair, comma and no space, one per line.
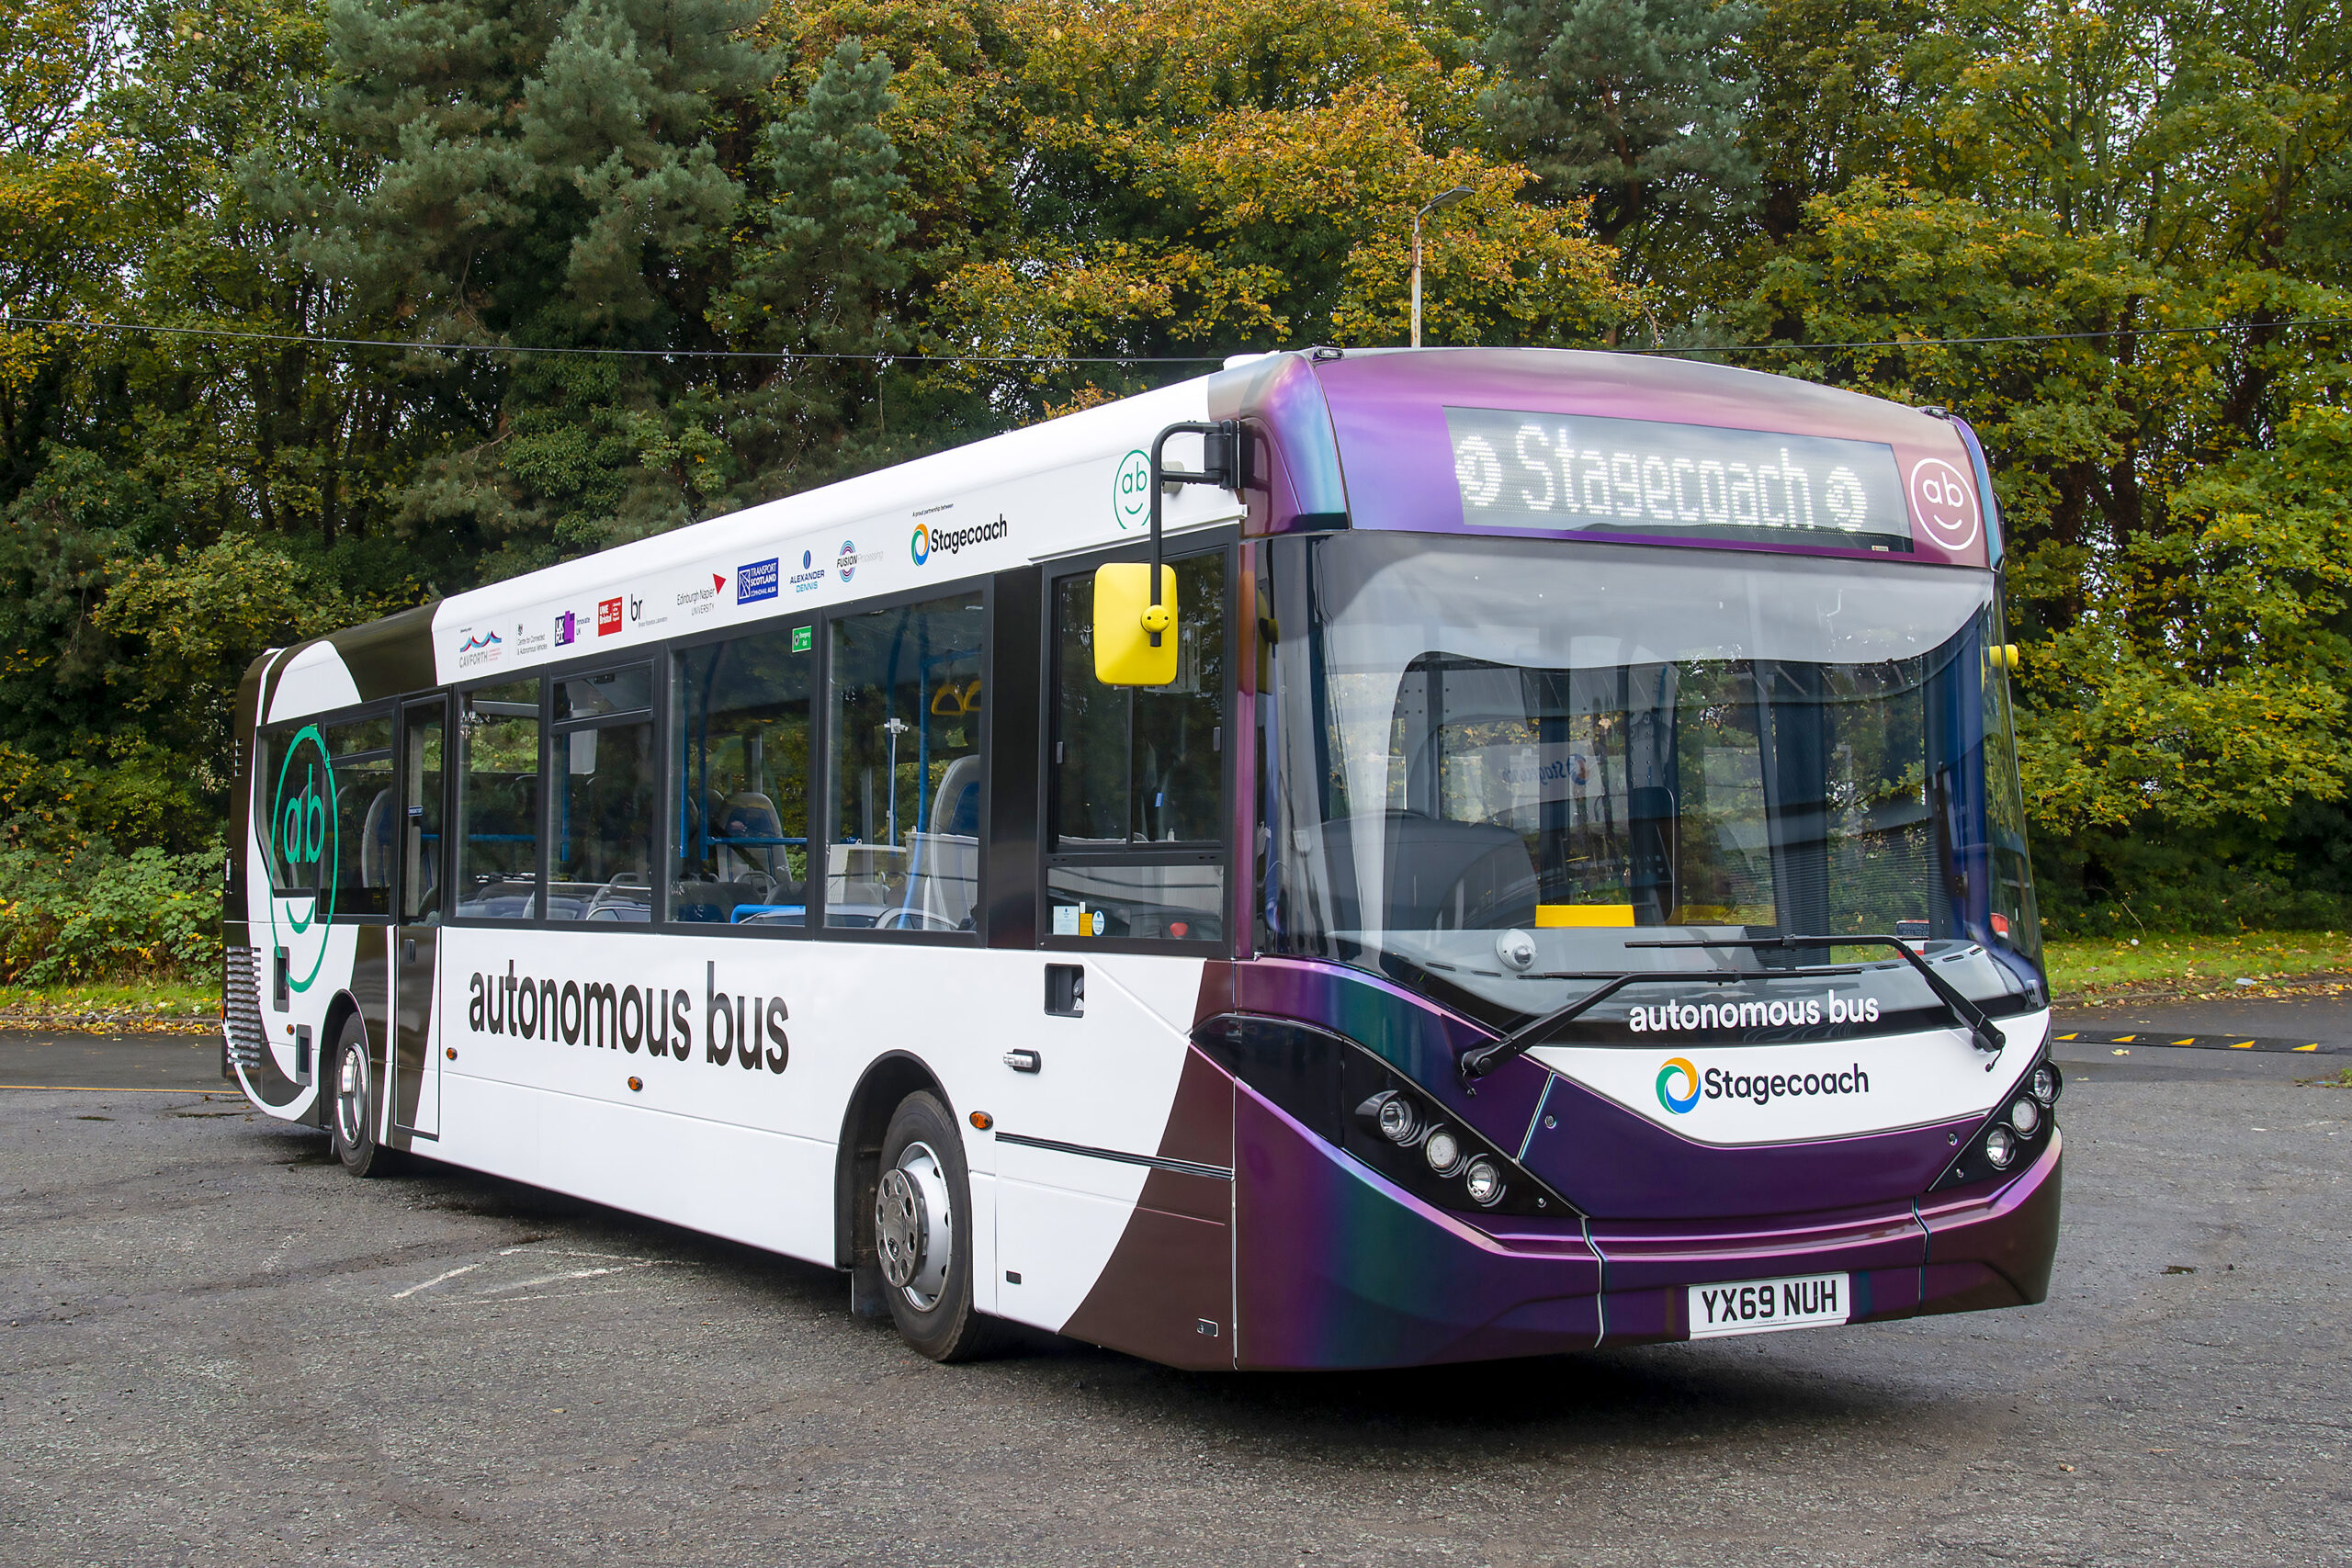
(1115,1140)
(424,863)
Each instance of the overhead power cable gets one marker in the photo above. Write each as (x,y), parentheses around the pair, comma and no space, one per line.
(228,335)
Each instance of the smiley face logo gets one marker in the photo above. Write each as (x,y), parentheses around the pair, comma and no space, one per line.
(305,842)
(1945,503)
(1677,1068)
(1131,491)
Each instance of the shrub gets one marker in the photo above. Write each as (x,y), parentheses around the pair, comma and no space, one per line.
(94,915)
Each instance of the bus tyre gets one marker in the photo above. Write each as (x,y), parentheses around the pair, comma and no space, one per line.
(922,1206)
(349,1122)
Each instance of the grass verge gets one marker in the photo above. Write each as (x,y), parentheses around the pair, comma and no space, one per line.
(2089,966)
(150,1005)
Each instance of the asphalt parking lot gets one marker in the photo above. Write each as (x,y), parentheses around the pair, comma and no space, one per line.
(222,1349)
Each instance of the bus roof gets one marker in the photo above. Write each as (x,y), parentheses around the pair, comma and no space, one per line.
(1503,440)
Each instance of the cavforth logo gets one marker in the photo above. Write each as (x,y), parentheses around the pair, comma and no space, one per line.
(472,644)
(1677,1068)
(306,842)
(1131,491)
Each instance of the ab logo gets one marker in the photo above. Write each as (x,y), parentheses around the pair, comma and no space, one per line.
(305,840)
(1131,491)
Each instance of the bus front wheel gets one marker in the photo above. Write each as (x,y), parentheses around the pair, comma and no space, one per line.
(350,1105)
(923,1207)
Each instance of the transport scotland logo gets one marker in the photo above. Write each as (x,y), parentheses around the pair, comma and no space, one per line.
(1678,1067)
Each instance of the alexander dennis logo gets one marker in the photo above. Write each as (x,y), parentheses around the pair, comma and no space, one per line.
(1677,1068)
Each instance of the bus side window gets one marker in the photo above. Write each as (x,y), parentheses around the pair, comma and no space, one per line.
(739,712)
(498,801)
(905,767)
(1139,811)
(604,780)
(364,842)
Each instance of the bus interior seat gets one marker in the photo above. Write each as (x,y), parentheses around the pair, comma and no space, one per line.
(1439,874)
(749,814)
(956,806)
(375,845)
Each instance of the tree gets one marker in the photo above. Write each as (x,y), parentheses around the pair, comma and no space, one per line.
(1632,105)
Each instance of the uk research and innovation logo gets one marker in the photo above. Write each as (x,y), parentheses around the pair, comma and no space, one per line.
(1678,1067)
(567,628)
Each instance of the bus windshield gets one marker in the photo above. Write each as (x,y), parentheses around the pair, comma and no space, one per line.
(1499,766)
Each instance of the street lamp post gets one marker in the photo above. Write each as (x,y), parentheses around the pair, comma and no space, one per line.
(1434,203)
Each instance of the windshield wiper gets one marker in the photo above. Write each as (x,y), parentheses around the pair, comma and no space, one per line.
(1981,1031)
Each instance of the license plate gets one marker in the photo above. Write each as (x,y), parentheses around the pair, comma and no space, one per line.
(1762,1306)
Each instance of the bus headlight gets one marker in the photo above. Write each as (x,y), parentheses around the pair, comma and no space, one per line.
(1484,1182)
(1443,1150)
(2000,1147)
(1397,1121)
(2026,1116)
(2046,1084)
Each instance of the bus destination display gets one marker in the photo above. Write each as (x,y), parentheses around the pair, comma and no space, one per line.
(1640,476)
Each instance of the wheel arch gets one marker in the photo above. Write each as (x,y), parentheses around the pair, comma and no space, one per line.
(342,1008)
(857,1158)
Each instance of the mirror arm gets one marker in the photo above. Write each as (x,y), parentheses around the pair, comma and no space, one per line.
(1220,465)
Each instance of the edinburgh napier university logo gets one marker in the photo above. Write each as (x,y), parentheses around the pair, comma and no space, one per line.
(305,840)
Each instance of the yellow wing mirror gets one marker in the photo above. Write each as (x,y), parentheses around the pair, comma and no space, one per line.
(1135,641)
(2005,656)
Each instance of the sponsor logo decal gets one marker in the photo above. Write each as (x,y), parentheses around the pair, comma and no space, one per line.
(1763,1088)
(846,562)
(304,831)
(1677,1068)
(608,617)
(487,639)
(756,582)
(928,541)
(811,577)
(737,1028)
(1131,491)
(567,629)
(481,649)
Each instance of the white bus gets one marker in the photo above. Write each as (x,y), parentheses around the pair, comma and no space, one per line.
(1564,881)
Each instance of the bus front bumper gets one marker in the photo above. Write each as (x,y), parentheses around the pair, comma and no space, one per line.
(1335,1266)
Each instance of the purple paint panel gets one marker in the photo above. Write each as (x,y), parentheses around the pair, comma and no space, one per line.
(1643,1256)
(2012,1231)
(1387,413)
(1334,1267)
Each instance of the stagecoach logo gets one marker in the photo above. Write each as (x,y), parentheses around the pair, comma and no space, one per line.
(305,836)
(1681,1085)
(1677,1068)
(929,541)
(1945,503)
(1131,491)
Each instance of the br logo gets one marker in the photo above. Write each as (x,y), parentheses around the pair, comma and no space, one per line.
(305,841)
(1131,491)
(1677,1068)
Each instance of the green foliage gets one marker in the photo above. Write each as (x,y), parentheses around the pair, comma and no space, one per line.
(99,915)
(854,192)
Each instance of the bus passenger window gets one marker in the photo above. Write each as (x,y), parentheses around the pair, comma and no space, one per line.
(603,784)
(498,801)
(365,841)
(740,715)
(1139,775)
(905,767)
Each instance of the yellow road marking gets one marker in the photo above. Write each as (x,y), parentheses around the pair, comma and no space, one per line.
(2125,1039)
(2243,1046)
(2070,1037)
(2190,1040)
(2312,1047)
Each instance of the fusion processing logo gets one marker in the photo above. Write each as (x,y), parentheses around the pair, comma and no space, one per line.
(1678,1067)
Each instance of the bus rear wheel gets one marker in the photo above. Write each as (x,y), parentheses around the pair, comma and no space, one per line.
(922,1206)
(350,1119)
